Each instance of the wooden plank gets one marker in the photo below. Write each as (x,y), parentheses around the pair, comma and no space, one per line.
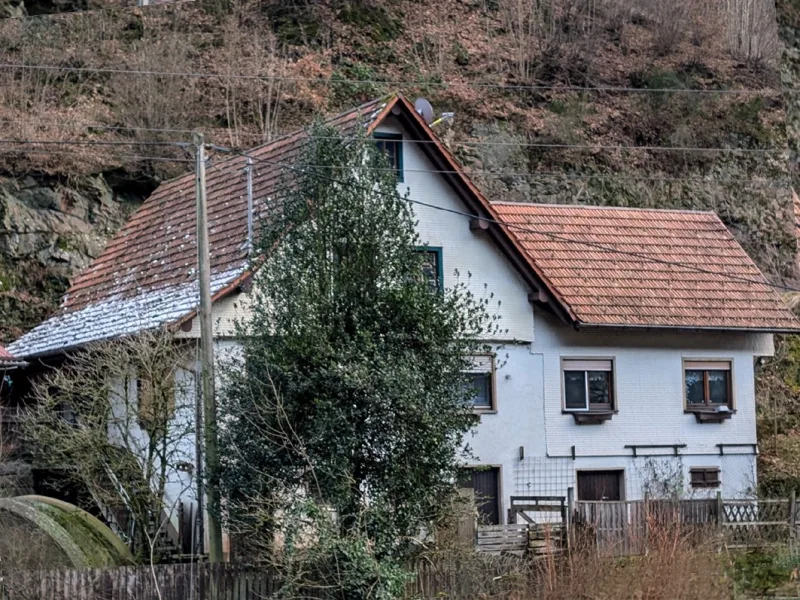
(510,527)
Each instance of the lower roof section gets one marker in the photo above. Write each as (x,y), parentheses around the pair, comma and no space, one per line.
(646,268)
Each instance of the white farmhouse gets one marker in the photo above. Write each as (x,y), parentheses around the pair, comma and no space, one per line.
(627,365)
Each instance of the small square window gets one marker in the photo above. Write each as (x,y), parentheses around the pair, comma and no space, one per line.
(588,384)
(480,383)
(391,144)
(707,384)
(704,477)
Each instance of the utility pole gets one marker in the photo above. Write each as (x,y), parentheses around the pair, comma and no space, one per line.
(207,356)
(249,171)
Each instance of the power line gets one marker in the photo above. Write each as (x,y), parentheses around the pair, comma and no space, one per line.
(72,153)
(557,175)
(554,236)
(89,125)
(475,143)
(522,174)
(94,143)
(587,146)
(399,83)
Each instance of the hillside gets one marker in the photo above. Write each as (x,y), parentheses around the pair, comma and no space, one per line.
(550,97)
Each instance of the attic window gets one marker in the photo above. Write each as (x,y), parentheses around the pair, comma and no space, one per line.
(431,267)
(391,144)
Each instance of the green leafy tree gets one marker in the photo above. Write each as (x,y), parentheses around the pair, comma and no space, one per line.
(349,390)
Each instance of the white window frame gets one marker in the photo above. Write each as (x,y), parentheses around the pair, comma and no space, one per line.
(485,364)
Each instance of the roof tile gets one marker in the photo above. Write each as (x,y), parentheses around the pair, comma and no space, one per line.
(637,267)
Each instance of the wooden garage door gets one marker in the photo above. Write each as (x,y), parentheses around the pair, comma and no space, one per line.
(599,485)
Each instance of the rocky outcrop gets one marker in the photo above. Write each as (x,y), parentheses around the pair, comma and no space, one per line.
(51,229)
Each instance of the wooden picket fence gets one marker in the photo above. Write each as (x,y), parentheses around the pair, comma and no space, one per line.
(232,581)
(625,528)
(165,582)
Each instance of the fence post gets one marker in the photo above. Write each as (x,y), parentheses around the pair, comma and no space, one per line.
(570,515)
(719,510)
(792,509)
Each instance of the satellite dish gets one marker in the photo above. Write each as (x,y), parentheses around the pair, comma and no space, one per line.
(425,110)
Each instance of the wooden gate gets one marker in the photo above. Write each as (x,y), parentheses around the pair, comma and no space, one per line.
(546,517)
(617,528)
(537,509)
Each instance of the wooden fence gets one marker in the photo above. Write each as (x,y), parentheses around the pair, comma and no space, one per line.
(502,538)
(626,528)
(521,538)
(237,582)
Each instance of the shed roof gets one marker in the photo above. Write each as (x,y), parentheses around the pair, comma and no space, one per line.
(653,268)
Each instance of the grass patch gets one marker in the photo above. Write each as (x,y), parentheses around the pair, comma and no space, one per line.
(374,20)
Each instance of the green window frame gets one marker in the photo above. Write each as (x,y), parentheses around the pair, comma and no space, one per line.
(435,252)
(392,145)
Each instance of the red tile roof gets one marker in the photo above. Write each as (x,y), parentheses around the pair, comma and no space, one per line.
(146,277)
(615,266)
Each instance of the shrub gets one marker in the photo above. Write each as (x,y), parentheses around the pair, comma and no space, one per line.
(752,31)
(761,572)
(461,54)
(670,23)
(347,86)
(374,20)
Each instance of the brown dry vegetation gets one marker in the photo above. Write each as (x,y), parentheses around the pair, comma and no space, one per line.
(464,55)
(681,564)
(675,568)
(630,43)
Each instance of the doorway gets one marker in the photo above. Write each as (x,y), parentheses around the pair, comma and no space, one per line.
(600,485)
(485,483)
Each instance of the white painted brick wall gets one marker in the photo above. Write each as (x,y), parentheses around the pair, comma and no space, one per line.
(649,387)
(464,251)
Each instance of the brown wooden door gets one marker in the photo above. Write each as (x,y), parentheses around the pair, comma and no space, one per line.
(599,485)
(485,482)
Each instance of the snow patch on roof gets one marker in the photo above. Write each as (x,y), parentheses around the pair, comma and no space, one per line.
(116,317)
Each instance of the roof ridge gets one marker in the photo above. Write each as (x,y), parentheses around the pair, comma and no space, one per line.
(302,130)
(292,134)
(605,207)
